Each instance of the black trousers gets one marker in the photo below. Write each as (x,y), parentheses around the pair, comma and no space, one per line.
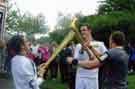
(63,72)
(101,77)
(53,69)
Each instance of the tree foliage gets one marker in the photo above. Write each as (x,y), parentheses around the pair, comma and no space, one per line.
(12,17)
(15,21)
(103,25)
(61,29)
(63,26)
(43,40)
(32,24)
(108,6)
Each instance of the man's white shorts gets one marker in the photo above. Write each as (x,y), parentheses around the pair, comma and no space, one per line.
(86,83)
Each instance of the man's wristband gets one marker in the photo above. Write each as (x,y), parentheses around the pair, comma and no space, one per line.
(74,61)
(90,47)
(103,57)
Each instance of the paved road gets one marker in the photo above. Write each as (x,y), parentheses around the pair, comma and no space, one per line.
(6,84)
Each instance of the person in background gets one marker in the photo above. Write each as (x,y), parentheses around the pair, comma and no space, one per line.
(54,64)
(4,64)
(30,55)
(63,66)
(66,70)
(132,56)
(43,52)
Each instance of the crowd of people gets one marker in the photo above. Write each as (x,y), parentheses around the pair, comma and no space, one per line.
(86,65)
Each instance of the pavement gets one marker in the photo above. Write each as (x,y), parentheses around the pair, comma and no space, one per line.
(6,84)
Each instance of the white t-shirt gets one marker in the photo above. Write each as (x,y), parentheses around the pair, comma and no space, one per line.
(89,73)
(24,73)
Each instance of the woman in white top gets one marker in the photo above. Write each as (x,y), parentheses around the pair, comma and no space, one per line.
(22,68)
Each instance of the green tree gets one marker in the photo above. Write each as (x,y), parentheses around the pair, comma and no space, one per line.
(43,40)
(32,24)
(103,25)
(108,6)
(12,17)
(62,28)
(15,21)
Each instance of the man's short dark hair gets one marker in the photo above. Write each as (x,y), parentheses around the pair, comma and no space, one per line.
(87,25)
(118,38)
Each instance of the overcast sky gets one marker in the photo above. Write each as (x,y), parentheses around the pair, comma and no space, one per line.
(50,8)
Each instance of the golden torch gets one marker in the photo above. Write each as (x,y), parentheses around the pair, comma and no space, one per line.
(67,39)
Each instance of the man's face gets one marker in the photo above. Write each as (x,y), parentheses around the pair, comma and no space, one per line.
(85,32)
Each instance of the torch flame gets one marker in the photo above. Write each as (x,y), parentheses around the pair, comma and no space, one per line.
(73,23)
